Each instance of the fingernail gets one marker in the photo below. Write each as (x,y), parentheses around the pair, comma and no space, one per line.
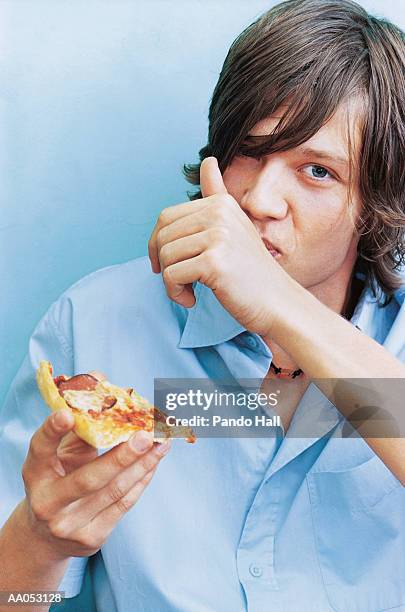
(164,447)
(140,442)
(59,420)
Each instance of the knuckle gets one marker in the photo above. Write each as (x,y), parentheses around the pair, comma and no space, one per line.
(164,216)
(161,238)
(219,233)
(148,462)
(165,253)
(168,275)
(221,210)
(121,458)
(213,262)
(84,483)
(210,259)
(34,448)
(125,503)
(41,509)
(116,490)
(58,529)
(147,478)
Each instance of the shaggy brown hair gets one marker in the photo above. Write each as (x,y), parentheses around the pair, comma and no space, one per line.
(310,56)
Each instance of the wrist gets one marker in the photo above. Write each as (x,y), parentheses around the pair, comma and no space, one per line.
(28,562)
(27,533)
(285,304)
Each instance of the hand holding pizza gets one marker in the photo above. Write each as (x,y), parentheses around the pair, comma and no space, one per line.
(74,498)
(213,241)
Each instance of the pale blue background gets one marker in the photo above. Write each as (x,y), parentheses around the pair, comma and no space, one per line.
(100,105)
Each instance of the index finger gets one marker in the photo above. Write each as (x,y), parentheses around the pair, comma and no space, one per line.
(94,475)
(167,216)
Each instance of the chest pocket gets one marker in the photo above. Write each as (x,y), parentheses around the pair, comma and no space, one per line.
(359,526)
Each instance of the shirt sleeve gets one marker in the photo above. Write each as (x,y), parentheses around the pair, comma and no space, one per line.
(24,411)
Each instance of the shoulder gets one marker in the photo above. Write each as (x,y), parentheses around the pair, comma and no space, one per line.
(132,282)
(118,279)
(122,291)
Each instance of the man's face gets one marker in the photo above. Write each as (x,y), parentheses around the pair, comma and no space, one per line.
(298,202)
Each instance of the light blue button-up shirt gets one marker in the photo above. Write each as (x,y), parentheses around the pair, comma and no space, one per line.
(228,524)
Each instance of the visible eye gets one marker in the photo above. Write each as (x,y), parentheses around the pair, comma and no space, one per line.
(318,173)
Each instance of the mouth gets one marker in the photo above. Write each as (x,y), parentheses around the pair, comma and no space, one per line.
(271,249)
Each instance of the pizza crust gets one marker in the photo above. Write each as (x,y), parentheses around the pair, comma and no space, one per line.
(100,433)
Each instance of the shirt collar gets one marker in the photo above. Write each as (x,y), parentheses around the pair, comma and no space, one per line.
(209,323)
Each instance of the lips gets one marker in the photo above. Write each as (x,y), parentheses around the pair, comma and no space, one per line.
(272,249)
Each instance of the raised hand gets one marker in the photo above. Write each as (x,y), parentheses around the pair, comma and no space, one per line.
(213,241)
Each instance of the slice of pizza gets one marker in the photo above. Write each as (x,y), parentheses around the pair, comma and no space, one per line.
(105,414)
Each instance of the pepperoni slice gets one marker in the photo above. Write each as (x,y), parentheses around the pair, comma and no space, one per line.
(80,382)
(108,402)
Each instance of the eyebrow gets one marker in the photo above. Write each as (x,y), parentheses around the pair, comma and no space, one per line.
(326,155)
(305,150)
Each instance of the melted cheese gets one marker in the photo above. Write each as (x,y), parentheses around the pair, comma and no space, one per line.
(84,400)
(94,400)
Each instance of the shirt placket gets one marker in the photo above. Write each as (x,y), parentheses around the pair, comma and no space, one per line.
(256,550)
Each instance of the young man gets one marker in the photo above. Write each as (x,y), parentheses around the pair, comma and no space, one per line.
(280,266)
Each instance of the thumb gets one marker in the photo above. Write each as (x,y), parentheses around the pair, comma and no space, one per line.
(211,181)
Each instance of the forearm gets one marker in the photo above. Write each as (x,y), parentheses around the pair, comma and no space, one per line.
(27,564)
(325,345)
(333,353)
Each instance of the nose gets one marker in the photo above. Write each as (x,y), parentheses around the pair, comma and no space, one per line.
(265,192)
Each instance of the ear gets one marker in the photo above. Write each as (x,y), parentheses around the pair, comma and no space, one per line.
(211,181)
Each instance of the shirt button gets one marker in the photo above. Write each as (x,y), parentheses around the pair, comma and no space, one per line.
(255,570)
(251,342)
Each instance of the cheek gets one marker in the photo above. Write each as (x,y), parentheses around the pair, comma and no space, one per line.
(329,240)
(325,217)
